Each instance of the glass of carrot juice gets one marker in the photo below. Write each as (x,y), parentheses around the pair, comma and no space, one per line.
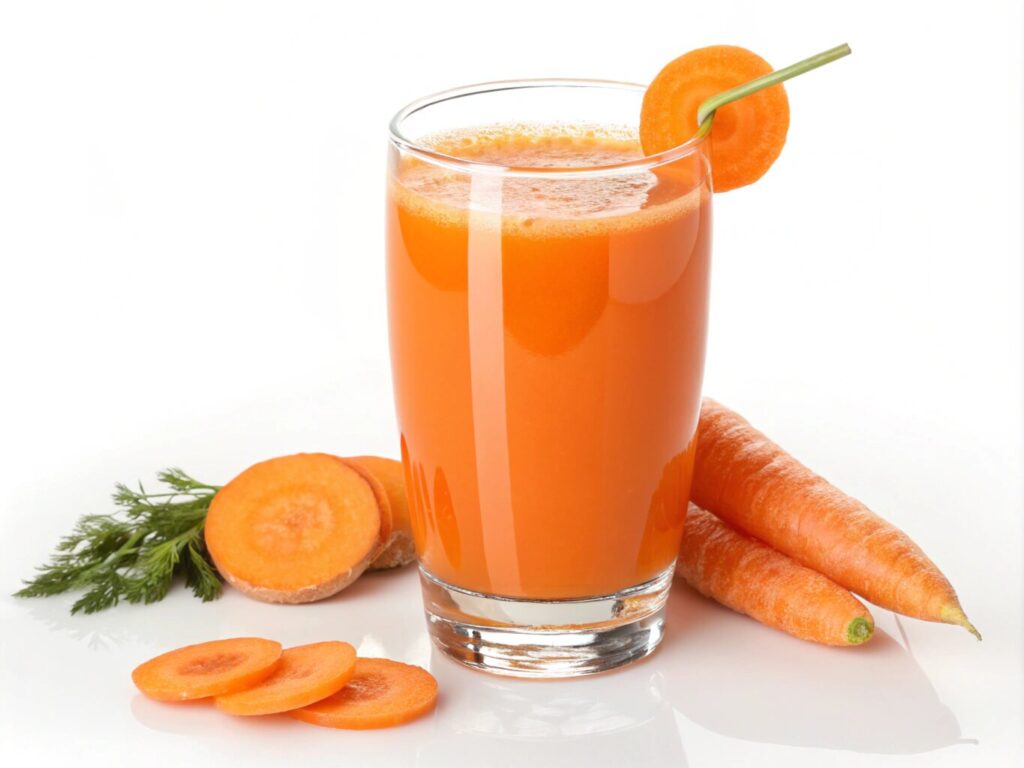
(547,302)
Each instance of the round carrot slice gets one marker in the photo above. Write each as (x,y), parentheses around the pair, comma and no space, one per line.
(207,669)
(382,693)
(402,548)
(307,673)
(380,493)
(746,135)
(294,529)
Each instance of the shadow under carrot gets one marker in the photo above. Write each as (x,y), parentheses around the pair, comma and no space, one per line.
(743,680)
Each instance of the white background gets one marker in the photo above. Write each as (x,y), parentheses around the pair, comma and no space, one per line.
(192,274)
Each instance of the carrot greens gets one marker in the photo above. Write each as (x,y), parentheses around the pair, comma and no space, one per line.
(135,553)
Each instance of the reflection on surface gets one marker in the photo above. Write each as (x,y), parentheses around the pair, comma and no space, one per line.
(667,512)
(737,678)
(716,673)
(111,629)
(624,719)
(196,719)
(277,739)
(353,615)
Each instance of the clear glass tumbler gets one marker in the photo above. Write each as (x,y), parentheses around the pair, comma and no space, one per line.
(547,300)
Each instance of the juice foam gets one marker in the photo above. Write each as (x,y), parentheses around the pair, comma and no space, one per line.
(628,199)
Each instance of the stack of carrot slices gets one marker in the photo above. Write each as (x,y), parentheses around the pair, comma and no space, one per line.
(320,683)
(300,528)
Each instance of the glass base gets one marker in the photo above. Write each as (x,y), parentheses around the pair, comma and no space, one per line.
(546,638)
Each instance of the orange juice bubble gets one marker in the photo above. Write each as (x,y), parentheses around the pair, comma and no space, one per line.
(547,348)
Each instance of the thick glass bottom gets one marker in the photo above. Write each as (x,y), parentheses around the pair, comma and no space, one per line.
(546,638)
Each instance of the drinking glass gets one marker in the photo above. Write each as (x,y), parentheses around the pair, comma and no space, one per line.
(547,305)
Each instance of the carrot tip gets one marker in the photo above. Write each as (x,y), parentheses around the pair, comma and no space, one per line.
(859,631)
(954,614)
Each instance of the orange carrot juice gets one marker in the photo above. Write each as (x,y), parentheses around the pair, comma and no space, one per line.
(547,342)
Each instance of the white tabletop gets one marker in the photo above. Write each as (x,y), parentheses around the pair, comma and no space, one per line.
(191,245)
(722,690)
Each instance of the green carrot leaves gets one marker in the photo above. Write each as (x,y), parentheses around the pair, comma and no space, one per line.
(135,553)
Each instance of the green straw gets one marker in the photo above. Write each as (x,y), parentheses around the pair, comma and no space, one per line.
(706,111)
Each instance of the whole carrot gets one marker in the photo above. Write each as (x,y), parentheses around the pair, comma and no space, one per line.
(751,483)
(752,578)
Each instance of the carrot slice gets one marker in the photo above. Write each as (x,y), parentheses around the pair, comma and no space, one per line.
(752,578)
(307,673)
(401,549)
(294,529)
(746,136)
(380,492)
(382,693)
(750,482)
(207,669)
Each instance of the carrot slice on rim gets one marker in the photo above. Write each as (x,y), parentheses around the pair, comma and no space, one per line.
(746,136)
(294,529)
(306,674)
(207,669)
(382,693)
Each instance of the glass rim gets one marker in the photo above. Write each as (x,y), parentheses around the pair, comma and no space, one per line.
(452,162)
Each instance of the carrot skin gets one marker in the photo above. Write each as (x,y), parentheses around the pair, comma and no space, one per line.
(752,578)
(751,483)
(381,495)
(402,549)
